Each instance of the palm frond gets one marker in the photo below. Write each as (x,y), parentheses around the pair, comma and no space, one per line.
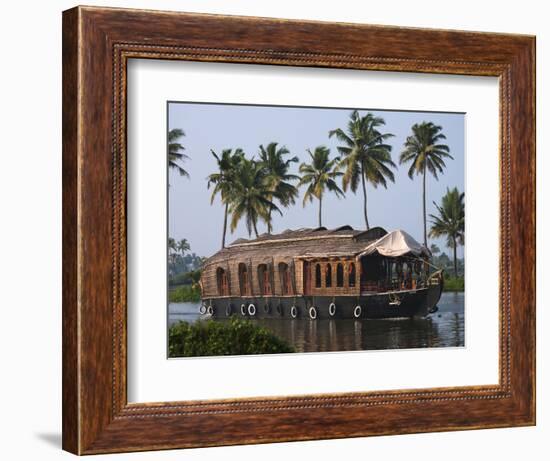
(424,150)
(175,151)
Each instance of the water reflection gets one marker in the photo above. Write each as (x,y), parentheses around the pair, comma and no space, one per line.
(443,329)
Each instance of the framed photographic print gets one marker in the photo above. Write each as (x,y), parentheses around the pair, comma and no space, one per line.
(285,230)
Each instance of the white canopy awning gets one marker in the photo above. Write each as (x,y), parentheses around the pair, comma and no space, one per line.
(395,244)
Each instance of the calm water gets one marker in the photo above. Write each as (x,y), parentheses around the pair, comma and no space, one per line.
(442,329)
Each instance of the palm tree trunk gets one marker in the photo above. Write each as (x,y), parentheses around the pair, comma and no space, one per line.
(269,228)
(424,205)
(255,229)
(364,199)
(320,205)
(225,224)
(454,256)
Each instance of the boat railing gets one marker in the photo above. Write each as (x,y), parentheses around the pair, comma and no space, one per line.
(395,284)
(400,284)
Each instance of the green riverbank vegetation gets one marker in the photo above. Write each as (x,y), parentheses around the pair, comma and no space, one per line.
(184,272)
(453,284)
(235,337)
(184,293)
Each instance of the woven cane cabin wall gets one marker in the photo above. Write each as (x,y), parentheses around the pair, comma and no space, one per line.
(349,285)
(261,258)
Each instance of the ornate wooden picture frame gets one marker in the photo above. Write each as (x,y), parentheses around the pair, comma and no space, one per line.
(97,44)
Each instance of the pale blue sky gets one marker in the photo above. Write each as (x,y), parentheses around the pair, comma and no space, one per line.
(220,126)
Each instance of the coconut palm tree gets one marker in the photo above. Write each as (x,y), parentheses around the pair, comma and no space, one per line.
(175,151)
(365,155)
(223,180)
(172,251)
(277,176)
(172,245)
(250,196)
(320,175)
(183,246)
(435,250)
(450,221)
(425,153)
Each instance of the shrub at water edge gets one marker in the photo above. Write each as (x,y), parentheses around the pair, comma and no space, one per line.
(236,337)
(453,284)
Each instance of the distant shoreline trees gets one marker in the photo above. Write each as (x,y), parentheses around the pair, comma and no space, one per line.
(180,260)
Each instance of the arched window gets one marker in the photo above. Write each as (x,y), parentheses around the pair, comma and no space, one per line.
(328,275)
(284,276)
(221,278)
(317,275)
(340,275)
(351,275)
(264,277)
(244,280)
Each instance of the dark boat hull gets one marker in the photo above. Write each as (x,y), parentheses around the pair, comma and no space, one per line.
(410,303)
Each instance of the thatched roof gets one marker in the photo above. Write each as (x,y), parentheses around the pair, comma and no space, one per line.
(305,243)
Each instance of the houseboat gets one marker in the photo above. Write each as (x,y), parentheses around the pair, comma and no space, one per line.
(322,273)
